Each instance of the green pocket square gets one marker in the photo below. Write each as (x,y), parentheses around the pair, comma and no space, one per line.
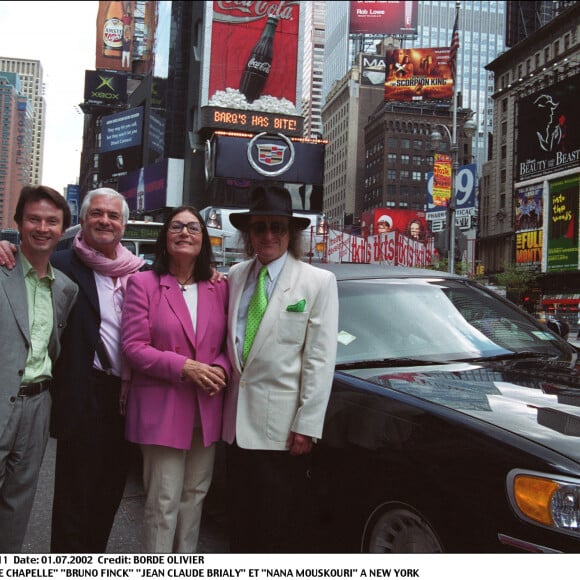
(298,307)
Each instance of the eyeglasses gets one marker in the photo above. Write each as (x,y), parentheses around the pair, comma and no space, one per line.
(192,227)
(277,228)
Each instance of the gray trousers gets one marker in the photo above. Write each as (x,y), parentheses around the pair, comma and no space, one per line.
(22,447)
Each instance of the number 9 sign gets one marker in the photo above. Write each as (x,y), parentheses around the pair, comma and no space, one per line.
(464,188)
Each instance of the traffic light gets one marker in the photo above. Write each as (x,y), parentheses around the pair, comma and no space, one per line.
(528,303)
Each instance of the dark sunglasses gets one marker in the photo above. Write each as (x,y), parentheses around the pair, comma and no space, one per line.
(277,228)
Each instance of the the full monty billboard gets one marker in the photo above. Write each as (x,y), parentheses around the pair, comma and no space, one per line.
(239,39)
(548,136)
(383,18)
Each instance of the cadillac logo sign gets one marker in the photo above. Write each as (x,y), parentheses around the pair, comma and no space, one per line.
(271,155)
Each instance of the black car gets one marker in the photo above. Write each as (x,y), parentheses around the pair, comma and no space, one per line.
(453,423)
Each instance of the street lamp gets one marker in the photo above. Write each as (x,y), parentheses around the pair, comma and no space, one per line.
(436,139)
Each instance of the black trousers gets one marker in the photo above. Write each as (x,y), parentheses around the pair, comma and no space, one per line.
(266,501)
(90,473)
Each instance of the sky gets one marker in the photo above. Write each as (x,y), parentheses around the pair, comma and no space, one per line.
(61,35)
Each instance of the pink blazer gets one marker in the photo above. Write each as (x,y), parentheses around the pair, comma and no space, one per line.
(157,336)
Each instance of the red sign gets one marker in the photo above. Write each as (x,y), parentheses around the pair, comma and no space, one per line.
(383,17)
(259,37)
(418,74)
(405,221)
(442,169)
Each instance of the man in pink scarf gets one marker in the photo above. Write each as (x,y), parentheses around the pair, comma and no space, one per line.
(92,454)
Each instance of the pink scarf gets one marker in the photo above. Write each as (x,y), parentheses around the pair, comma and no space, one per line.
(125,264)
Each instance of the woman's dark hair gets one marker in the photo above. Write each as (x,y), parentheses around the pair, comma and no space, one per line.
(203,263)
(36,193)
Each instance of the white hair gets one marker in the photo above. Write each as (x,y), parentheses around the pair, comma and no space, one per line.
(105,192)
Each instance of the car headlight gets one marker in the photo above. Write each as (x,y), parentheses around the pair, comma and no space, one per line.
(550,501)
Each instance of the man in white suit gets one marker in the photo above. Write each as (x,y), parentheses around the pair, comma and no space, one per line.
(276,401)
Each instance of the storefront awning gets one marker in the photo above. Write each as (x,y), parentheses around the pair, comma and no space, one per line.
(551,301)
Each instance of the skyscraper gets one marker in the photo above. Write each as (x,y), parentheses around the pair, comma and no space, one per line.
(30,73)
(313,60)
(15,145)
(524,18)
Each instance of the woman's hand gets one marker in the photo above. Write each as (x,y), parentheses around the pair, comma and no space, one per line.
(211,379)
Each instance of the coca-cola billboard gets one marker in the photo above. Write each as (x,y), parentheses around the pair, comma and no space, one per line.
(254,53)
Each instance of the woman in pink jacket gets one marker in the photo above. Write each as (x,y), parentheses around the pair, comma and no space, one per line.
(173,342)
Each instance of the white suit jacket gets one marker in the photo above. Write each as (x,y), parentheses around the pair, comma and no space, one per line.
(286,381)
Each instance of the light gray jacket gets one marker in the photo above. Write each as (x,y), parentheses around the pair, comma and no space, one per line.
(15,333)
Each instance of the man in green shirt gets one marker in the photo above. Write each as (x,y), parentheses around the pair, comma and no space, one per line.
(35,300)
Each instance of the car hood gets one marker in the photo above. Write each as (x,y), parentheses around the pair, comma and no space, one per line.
(538,404)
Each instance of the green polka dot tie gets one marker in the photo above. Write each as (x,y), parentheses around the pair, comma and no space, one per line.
(256,310)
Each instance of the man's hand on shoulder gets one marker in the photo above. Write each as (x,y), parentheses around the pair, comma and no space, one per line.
(7,251)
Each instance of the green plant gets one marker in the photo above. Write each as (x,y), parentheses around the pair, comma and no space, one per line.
(520,286)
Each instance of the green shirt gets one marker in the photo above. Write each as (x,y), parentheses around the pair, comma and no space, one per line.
(40,322)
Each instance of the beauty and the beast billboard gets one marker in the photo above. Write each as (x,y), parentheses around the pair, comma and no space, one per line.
(548,139)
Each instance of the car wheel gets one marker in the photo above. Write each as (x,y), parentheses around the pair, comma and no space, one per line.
(399,531)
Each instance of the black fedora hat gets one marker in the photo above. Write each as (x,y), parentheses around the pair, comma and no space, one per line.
(268,200)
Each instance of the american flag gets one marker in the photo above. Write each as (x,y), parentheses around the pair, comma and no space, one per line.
(454,48)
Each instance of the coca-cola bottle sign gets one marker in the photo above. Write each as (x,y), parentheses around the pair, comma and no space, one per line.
(254,56)
(258,67)
(239,12)
(263,67)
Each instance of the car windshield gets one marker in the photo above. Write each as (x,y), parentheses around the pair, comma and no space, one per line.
(435,320)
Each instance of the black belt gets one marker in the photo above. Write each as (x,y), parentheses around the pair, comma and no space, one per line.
(105,376)
(32,389)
